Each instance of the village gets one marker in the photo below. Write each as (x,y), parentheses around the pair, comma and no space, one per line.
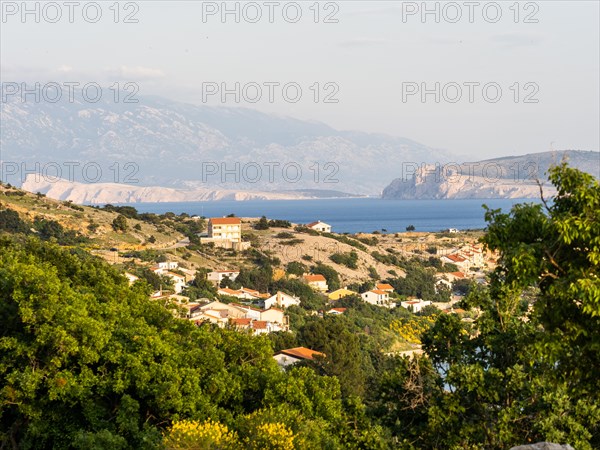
(248,310)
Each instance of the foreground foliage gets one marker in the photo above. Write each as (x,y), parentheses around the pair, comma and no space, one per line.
(89,362)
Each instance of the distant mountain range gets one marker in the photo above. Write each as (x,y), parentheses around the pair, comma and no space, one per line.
(102,193)
(509,177)
(157,142)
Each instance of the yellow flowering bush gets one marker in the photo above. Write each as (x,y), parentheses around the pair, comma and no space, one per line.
(193,435)
(271,436)
(411,329)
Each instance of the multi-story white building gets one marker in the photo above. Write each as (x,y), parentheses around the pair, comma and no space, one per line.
(225,232)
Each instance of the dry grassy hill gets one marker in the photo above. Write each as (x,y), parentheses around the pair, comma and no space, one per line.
(287,244)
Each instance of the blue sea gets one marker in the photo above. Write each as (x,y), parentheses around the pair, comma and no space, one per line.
(351,215)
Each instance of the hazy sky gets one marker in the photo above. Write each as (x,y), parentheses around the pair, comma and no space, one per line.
(376,53)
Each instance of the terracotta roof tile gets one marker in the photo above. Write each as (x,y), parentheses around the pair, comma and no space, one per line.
(259,324)
(313,278)
(302,353)
(226,221)
(240,322)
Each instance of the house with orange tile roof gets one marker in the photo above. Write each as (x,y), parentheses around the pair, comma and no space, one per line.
(337,311)
(317,282)
(241,323)
(261,327)
(456,275)
(462,262)
(378,298)
(295,355)
(225,232)
(319,226)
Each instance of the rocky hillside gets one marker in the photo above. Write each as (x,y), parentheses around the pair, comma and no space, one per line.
(103,193)
(510,177)
(163,143)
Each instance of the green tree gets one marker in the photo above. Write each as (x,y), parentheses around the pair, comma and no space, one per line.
(89,362)
(296,268)
(120,223)
(262,224)
(527,371)
(11,222)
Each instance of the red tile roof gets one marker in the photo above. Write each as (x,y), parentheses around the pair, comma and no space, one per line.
(384,286)
(259,324)
(312,224)
(301,352)
(456,258)
(230,291)
(240,322)
(226,221)
(339,310)
(313,278)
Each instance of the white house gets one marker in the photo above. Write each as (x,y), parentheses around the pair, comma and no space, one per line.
(319,226)
(217,276)
(251,312)
(275,315)
(217,308)
(378,297)
(179,282)
(293,356)
(263,327)
(211,318)
(168,265)
(131,278)
(242,293)
(163,267)
(282,300)
(317,282)
(415,305)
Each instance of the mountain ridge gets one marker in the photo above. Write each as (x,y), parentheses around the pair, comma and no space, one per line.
(175,144)
(504,177)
